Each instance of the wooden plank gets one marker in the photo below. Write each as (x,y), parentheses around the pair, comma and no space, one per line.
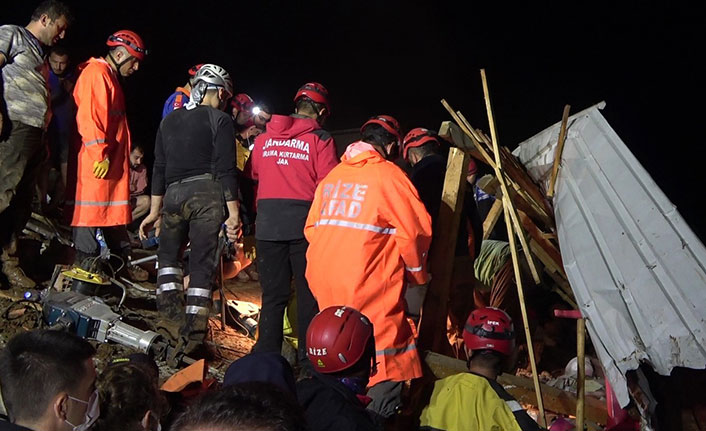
(503,186)
(482,143)
(559,151)
(486,157)
(452,132)
(522,389)
(564,285)
(565,297)
(581,378)
(545,258)
(478,134)
(511,221)
(547,246)
(492,218)
(434,313)
(519,174)
(514,170)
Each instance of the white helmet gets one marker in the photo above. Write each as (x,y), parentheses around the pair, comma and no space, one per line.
(572,367)
(213,74)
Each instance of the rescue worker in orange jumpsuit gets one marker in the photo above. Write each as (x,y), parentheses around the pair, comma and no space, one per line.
(101,153)
(369,235)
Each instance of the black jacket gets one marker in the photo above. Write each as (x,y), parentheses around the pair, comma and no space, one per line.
(329,405)
(428,177)
(7,426)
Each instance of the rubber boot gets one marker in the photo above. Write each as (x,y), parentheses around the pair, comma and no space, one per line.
(170,305)
(194,332)
(132,273)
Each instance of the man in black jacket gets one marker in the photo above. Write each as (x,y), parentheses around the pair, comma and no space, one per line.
(48,382)
(421,149)
(341,348)
(194,173)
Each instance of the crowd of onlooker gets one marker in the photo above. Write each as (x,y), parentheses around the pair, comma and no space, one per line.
(48,381)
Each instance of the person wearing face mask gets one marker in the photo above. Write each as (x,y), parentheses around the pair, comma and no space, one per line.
(130,399)
(369,236)
(24,117)
(193,175)
(288,161)
(99,162)
(48,382)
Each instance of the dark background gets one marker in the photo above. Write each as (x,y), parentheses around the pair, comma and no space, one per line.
(401,58)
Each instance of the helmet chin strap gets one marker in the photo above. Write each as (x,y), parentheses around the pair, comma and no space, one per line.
(115,62)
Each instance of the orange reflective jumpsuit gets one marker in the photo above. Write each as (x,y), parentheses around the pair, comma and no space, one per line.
(103,132)
(366,229)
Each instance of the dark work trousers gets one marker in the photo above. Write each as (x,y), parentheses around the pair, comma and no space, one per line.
(86,245)
(21,154)
(192,211)
(277,262)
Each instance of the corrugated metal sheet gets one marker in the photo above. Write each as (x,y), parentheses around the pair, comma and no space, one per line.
(636,268)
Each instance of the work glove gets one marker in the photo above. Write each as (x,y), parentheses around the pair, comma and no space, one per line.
(100,169)
(414,297)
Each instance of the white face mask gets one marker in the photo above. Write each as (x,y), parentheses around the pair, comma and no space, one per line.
(92,412)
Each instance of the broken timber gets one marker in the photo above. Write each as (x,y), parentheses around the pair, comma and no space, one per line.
(535,214)
(492,218)
(511,220)
(435,309)
(503,184)
(559,151)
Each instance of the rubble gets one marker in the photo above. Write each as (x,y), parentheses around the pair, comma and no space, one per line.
(49,245)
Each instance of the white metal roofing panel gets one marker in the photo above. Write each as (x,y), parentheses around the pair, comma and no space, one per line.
(636,268)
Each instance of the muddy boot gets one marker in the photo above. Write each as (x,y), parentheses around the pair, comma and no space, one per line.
(136,273)
(194,332)
(169,329)
(10,267)
(170,305)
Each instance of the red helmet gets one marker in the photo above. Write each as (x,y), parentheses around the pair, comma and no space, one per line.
(489,328)
(418,137)
(242,102)
(314,91)
(194,69)
(131,41)
(388,123)
(337,338)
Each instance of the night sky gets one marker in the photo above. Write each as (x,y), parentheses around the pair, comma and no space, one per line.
(401,58)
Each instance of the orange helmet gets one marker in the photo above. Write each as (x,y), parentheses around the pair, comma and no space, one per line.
(131,41)
(314,91)
(337,339)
